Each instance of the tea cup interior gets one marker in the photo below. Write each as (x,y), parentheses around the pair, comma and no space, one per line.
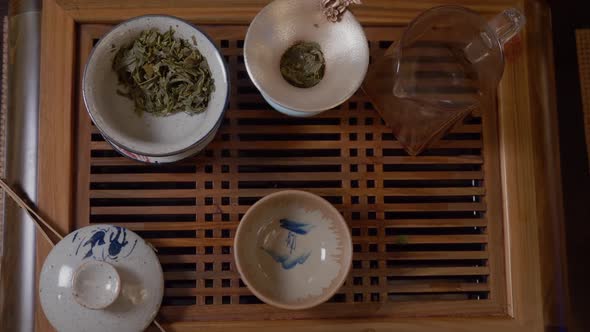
(293,249)
(282,24)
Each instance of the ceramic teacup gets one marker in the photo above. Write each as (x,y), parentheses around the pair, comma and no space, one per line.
(293,249)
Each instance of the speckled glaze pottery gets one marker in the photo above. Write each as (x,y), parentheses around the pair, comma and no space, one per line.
(293,249)
(101,278)
(279,26)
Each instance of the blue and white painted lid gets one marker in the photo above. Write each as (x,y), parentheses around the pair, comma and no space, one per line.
(137,271)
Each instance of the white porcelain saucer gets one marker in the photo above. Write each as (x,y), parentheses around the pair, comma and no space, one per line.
(101,278)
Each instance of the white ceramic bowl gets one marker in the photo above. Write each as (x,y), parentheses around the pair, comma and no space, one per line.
(293,249)
(150,135)
(101,278)
(281,24)
(170,158)
(286,110)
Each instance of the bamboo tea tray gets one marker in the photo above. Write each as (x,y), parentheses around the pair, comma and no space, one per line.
(465,236)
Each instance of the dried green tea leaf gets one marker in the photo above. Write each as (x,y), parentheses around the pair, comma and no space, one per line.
(163,75)
(303,64)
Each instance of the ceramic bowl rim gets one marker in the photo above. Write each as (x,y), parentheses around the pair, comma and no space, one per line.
(224,69)
(196,149)
(346,15)
(342,275)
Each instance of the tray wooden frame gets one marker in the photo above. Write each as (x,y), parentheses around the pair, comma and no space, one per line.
(528,147)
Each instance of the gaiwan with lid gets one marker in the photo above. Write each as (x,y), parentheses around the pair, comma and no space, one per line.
(101,278)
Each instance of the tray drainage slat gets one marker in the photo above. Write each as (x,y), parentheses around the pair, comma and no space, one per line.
(420,224)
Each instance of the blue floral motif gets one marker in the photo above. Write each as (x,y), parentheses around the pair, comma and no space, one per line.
(295,229)
(115,247)
(97,239)
(97,245)
(291,243)
(287,262)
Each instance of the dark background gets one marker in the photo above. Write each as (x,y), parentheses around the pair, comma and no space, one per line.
(575,174)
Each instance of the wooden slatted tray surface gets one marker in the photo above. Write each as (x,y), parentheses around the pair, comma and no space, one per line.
(427,230)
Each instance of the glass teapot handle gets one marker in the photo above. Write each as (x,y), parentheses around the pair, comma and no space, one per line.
(504,26)
(507,24)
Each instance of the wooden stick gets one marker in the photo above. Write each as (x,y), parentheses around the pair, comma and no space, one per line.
(39,220)
(159,326)
(36,217)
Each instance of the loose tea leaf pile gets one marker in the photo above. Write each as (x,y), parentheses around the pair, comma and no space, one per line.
(163,75)
(303,64)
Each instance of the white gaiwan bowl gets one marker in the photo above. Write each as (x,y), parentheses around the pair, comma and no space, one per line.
(287,111)
(293,249)
(149,135)
(281,24)
(168,158)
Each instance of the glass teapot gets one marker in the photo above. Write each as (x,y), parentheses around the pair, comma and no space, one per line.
(447,62)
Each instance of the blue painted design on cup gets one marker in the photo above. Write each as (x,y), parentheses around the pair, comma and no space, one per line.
(295,226)
(289,256)
(291,242)
(288,262)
